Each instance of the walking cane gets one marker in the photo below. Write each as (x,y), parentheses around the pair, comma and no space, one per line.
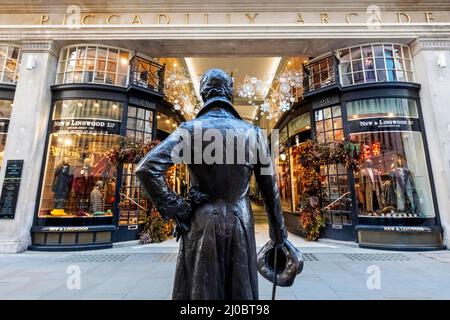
(275,267)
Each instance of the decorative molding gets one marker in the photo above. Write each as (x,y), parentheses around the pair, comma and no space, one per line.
(27,6)
(40,46)
(422,44)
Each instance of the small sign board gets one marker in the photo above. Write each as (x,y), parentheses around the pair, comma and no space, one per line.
(10,189)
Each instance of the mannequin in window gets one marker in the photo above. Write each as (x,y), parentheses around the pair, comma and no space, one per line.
(401,192)
(96,197)
(370,187)
(61,183)
(82,184)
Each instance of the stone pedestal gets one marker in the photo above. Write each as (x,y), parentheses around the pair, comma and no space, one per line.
(435,101)
(26,139)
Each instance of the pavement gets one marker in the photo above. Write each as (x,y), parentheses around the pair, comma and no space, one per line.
(332,270)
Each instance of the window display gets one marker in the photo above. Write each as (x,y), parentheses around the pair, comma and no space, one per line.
(79,181)
(393,181)
(284,181)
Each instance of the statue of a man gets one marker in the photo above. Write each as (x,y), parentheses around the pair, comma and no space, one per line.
(217,257)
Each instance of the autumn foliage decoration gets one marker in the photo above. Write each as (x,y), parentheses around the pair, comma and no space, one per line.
(311,155)
(130,152)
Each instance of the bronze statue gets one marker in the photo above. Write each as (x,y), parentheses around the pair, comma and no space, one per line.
(217,256)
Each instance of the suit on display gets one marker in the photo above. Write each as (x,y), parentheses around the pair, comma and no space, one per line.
(217,255)
(61,184)
(370,188)
(401,192)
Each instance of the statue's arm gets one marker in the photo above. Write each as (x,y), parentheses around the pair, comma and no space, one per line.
(151,171)
(266,179)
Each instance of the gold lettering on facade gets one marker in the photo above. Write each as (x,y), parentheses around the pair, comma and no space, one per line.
(44,18)
(251,19)
(108,20)
(324,17)
(137,20)
(206,18)
(403,14)
(228,18)
(428,17)
(351,14)
(165,16)
(300,18)
(186,18)
(83,20)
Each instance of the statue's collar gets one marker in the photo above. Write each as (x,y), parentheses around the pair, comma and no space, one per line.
(220,102)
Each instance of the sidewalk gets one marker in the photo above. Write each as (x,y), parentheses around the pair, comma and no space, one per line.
(332,271)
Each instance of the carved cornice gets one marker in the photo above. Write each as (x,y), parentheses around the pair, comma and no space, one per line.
(27,6)
(40,46)
(422,44)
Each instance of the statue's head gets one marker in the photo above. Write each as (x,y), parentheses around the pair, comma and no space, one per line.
(216,83)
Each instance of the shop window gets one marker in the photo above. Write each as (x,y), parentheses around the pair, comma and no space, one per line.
(295,133)
(334,177)
(284,180)
(166,123)
(393,181)
(375,63)
(79,182)
(93,64)
(134,202)
(9,63)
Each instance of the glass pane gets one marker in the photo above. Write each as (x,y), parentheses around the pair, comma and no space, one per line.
(88,109)
(78,181)
(344,55)
(388,50)
(356,53)
(381,74)
(358,77)
(370,76)
(336,111)
(383,107)
(378,50)
(394,180)
(347,79)
(379,63)
(368,64)
(367,51)
(357,65)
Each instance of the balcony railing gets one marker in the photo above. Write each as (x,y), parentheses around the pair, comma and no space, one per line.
(147,74)
(320,74)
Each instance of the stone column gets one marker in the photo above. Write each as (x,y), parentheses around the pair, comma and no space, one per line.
(26,138)
(435,99)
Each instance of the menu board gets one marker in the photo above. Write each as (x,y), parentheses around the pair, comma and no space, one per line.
(10,188)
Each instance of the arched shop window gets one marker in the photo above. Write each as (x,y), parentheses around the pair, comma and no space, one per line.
(375,63)
(393,181)
(9,63)
(93,64)
(5,115)
(79,181)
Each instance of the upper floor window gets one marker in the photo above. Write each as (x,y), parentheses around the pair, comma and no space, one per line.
(375,63)
(93,64)
(9,63)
